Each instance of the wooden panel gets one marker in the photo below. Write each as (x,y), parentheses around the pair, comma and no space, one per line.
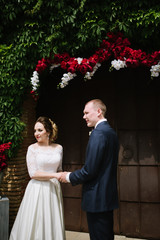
(72,213)
(71,135)
(128,183)
(116,221)
(158,149)
(126,109)
(84,224)
(149,185)
(147,112)
(125,82)
(150,221)
(128,148)
(84,141)
(71,191)
(130,219)
(158,112)
(148,147)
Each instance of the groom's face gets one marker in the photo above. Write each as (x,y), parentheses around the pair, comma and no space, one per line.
(90,114)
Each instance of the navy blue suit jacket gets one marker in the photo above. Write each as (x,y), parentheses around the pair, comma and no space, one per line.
(99,173)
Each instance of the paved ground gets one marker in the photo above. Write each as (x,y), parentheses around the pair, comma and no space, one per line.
(85,236)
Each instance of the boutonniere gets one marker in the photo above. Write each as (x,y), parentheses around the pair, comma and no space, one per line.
(90,132)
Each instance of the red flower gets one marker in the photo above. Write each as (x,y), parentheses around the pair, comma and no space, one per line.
(117,51)
(63,65)
(92,61)
(126,42)
(102,58)
(90,68)
(34,95)
(71,69)
(58,58)
(71,62)
(106,55)
(95,57)
(111,35)
(132,62)
(3,157)
(42,65)
(83,68)
(105,44)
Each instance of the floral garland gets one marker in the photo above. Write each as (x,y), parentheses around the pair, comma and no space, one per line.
(3,156)
(115,46)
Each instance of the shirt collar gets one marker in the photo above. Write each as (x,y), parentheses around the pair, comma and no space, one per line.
(102,120)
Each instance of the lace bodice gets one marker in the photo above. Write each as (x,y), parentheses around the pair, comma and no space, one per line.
(44,159)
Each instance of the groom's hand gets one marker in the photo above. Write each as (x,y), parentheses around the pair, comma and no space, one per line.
(62,177)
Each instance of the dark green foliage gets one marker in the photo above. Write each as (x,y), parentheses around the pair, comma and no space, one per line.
(32,29)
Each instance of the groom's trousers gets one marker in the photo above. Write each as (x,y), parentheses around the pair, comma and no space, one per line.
(100,225)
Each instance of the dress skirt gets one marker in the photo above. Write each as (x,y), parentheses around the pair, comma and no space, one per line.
(40,216)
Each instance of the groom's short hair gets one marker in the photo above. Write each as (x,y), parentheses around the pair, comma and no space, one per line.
(98,103)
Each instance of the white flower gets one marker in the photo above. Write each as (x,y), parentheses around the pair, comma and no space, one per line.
(79,60)
(89,75)
(118,64)
(90,132)
(54,66)
(155,70)
(35,80)
(66,78)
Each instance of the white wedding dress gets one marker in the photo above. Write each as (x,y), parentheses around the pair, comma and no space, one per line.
(40,216)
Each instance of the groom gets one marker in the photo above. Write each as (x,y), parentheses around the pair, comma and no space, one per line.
(99,173)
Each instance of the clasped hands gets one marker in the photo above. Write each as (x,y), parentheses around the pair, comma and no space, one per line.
(61,177)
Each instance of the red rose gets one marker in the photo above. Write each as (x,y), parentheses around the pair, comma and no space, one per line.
(72,61)
(92,61)
(101,59)
(132,62)
(71,69)
(95,57)
(117,51)
(126,42)
(110,35)
(65,57)
(90,68)
(84,60)
(57,58)
(105,44)
(82,68)
(41,66)
(119,41)
(63,65)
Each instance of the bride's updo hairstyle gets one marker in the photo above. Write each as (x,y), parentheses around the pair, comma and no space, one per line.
(50,127)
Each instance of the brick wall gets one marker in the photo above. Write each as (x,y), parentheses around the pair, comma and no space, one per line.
(16,175)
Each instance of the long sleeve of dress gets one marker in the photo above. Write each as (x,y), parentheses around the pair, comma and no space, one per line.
(61,157)
(31,162)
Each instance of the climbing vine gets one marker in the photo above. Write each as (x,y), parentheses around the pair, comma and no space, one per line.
(33,29)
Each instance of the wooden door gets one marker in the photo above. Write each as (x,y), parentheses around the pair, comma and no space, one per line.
(133,110)
(138,123)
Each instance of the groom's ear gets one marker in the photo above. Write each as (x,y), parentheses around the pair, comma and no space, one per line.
(99,111)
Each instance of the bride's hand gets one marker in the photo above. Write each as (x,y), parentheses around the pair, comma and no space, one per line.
(61,177)
(58,175)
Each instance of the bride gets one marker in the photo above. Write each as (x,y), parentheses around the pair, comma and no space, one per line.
(40,216)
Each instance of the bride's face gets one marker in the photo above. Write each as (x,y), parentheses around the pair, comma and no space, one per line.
(40,133)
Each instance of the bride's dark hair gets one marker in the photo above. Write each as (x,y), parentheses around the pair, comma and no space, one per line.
(50,127)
